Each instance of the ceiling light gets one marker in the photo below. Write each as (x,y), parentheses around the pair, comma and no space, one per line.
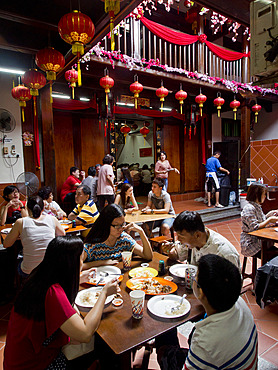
(168,109)
(12,71)
(84,99)
(126,104)
(60,96)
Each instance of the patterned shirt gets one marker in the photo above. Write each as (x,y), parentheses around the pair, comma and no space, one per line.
(251,216)
(101,251)
(87,214)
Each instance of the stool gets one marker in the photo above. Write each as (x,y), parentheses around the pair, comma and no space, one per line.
(254,269)
(157,244)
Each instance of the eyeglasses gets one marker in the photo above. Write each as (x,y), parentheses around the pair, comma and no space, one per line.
(194,279)
(118,227)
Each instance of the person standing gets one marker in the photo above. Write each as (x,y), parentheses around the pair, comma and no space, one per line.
(162,168)
(105,186)
(212,166)
(91,181)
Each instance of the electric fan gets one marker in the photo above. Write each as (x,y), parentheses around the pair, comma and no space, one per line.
(7,121)
(27,183)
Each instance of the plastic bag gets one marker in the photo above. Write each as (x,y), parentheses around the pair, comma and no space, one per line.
(232,198)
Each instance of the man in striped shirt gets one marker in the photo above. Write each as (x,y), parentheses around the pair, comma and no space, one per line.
(227,337)
(85,213)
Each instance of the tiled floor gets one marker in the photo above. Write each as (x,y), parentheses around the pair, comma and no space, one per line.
(266,319)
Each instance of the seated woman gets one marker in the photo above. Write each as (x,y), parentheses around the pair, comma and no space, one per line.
(15,208)
(50,206)
(253,218)
(43,318)
(35,232)
(109,237)
(126,199)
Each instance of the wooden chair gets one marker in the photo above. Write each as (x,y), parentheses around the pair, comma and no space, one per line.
(252,275)
(157,244)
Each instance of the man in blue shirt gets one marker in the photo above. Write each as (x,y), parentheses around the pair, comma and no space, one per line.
(212,166)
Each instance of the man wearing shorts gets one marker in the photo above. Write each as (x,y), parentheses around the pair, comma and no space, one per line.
(212,166)
(159,201)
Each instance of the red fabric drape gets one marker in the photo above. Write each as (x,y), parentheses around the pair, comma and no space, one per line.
(148,112)
(36,135)
(73,104)
(175,37)
(225,54)
(180,38)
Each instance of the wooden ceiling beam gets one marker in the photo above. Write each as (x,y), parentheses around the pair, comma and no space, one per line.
(27,21)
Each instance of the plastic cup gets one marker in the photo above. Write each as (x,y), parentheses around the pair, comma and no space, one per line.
(126,258)
(190,274)
(137,298)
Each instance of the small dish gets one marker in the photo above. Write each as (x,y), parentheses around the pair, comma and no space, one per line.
(169,278)
(117,302)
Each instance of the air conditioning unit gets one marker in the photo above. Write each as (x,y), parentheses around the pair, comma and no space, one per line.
(264,38)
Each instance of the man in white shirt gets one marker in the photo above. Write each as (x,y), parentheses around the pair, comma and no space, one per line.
(193,234)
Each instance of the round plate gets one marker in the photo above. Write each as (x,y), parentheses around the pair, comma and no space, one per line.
(66,222)
(134,284)
(6,230)
(161,306)
(143,272)
(65,227)
(88,297)
(110,270)
(178,270)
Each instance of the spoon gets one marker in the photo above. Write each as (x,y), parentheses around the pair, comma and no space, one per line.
(173,309)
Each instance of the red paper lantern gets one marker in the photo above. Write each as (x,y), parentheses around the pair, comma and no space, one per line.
(35,80)
(256,108)
(144,131)
(21,93)
(162,92)
(51,61)
(200,99)
(125,129)
(78,30)
(235,104)
(72,77)
(181,96)
(136,88)
(218,102)
(106,82)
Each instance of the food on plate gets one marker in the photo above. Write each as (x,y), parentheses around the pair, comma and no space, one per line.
(169,278)
(150,286)
(89,298)
(169,309)
(117,302)
(143,274)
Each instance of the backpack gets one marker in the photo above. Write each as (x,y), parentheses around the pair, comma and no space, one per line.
(266,283)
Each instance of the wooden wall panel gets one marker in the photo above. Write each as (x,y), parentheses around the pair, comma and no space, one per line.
(194,173)
(93,143)
(63,143)
(172,148)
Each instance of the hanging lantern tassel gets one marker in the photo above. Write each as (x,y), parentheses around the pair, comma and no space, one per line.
(218,102)
(235,104)
(35,105)
(79,72)
(200,99)
(256,109)
(111,15)
(184,129)
(22,104)
(99,124)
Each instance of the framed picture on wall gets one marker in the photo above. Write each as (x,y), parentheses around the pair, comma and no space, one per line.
(145,152)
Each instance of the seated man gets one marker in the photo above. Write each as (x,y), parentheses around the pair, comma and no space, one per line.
(69,186)
(159,201)
(227,337)
(192,234)
(85,213)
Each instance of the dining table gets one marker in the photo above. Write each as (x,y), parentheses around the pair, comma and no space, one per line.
(139,217)
(267,234)
(123,333)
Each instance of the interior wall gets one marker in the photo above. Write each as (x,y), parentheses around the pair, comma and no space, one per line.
(7,102)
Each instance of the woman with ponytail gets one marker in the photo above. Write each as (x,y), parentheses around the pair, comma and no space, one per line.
(35,232)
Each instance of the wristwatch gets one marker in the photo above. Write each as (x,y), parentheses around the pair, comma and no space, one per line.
(152,211)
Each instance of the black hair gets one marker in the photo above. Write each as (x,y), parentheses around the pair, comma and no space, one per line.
(92,171)
(159,182)
(124,188)
(127,175)
(101,228)
(220,281)
(162,153)
(86,190)
(255,192)
(189,221)
(61,265)
(35,204)
(45,192)
(8,190)
(145,167)
(217,152)
(73,169)
(108,159)
(97,165)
